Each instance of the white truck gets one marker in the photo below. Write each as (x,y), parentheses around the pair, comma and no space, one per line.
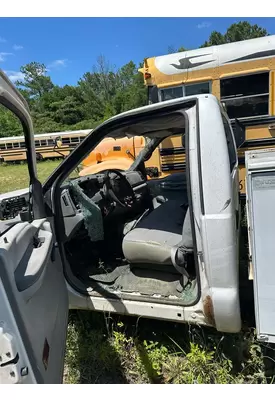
(116,241)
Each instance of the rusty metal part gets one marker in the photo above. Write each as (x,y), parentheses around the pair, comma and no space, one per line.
(208,310)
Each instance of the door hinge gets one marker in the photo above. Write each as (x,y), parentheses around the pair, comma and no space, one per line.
(9,358)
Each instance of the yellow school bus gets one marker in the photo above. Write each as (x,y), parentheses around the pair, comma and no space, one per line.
(240,74)
(47,145)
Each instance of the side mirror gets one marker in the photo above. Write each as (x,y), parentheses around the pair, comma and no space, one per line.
(153,94)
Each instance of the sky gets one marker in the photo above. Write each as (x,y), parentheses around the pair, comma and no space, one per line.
(69,47)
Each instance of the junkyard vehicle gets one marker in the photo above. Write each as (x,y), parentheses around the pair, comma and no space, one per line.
(47,145)
(117,242)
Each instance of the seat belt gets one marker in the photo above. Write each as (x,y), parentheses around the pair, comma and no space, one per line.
(180,267)
(179,262)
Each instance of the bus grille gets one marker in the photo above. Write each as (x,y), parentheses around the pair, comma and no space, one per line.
(172,159)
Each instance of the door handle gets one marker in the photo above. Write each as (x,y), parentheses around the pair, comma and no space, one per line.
(34,261)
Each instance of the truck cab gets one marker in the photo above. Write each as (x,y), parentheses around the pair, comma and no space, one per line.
(118,242)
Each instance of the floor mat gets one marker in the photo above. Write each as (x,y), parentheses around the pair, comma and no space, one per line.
(149,283)
(139,280)
(105,273)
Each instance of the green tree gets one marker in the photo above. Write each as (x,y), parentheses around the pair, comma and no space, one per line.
(215,39)
(172,50)
(131,92)
(180,49)
(64,104)
(35,82)
(242,30)
(9,124)
(98,88)
(106,92)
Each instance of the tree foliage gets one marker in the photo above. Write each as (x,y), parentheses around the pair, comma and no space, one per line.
(99,94)
(9,124)
(35,83)
(242,30)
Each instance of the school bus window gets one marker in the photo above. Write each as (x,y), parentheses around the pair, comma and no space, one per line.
(246,96)
(65,140)
(75,140)
(171,93)
(9,145)
(197,88)
(2,146)
(16,144)
(37,143)
(43,142)
(22,145)
(185,90)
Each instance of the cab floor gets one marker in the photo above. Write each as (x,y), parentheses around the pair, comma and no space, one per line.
(141,280)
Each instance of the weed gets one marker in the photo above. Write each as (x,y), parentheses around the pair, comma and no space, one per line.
(114,349)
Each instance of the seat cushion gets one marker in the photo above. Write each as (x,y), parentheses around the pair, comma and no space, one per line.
(154,236)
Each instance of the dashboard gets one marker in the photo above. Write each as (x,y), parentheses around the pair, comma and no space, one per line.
(94,187)
(14,205)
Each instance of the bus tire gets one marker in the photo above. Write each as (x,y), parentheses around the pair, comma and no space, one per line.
(39,157)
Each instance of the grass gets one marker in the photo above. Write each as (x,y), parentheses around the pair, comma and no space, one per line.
(16,176)
(116,349)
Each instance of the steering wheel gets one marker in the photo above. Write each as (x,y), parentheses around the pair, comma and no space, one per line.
(119,190)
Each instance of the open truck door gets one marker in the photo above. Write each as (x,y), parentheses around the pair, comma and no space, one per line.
(33,294)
